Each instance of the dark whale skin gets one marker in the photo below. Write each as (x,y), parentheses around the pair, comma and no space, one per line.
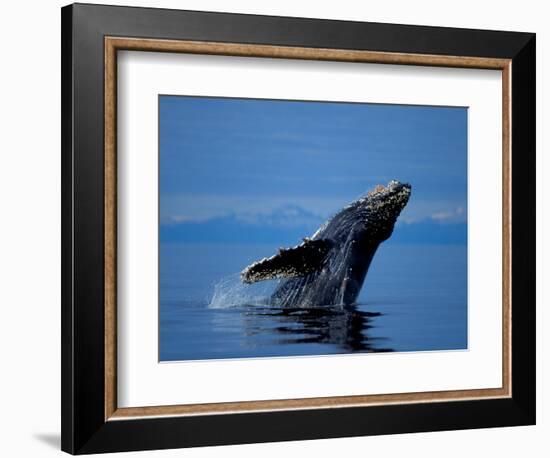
(330,267)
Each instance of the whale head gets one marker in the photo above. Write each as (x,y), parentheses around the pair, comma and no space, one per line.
(379,209)
(391,198)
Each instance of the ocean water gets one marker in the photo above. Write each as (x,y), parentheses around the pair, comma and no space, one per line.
(414,299)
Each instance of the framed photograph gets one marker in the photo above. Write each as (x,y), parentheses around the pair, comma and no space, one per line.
(281,228)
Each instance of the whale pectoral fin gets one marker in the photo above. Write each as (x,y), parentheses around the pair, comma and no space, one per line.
(306,258)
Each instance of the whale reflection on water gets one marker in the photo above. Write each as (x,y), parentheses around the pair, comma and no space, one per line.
(263,326)
(424,311)
(345,327)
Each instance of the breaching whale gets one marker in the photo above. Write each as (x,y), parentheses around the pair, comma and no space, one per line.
(329,268)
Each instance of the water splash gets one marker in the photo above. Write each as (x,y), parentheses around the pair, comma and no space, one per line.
(230,291)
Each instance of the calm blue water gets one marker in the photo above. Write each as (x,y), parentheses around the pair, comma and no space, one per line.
(414,299)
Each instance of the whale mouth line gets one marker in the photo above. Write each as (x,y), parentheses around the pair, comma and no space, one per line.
(393,188)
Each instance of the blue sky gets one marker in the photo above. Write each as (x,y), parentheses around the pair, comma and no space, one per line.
(254,158)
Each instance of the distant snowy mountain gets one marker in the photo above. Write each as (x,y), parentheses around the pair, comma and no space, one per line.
(287,225)
(431,232)
(284,225)
(287,216)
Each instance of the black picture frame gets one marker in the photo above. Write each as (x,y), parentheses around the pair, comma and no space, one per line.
(84,427)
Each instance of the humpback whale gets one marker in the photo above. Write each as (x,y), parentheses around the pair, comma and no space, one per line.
(329,268)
